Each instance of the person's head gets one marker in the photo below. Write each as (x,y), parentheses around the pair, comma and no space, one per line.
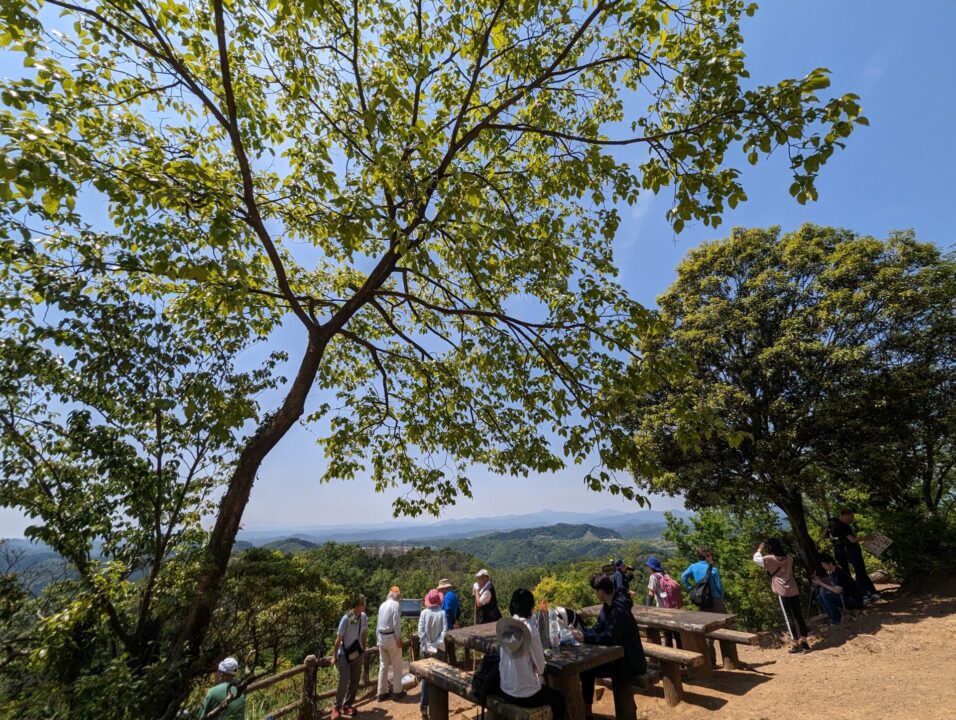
(433,598)
(522,603)
(395,593)
(704,553)
(827,562)
(774,547)
(358,604)
(228,667)
(654,564)
(482,576)
(444,585)
(603,587)
(846,515)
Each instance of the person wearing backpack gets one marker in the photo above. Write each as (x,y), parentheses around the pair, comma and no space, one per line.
(664,591)
(348,649)
(225,690)
(702,580)
(522,658)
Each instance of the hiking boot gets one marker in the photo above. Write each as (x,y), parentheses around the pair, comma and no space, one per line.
(398,695)
(794,649)
(383,697)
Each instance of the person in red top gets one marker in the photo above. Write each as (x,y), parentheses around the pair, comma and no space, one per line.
(772,558)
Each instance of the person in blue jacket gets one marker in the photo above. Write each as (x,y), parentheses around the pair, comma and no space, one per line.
(695,573)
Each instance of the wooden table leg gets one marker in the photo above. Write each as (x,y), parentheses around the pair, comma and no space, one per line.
(672,683)
(653,635)
(697,642)
(728,653)
(570,688)
(451,651)
(624,707)
(437,703)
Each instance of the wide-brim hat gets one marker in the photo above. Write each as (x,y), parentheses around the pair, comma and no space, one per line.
(444,584)
(654,564)
(482,573)
(433,598)
(514,637)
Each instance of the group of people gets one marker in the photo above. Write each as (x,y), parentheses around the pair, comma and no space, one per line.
(523,657)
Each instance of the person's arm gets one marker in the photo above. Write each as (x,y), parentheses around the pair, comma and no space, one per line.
(537,654)
(444,629)
(482,598)
(718,583)
(422,637)
(684,577)
(759,558)
(363,631)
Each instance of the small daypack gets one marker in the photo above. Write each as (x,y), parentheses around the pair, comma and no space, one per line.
(487,679)
(700,593)
(669,591)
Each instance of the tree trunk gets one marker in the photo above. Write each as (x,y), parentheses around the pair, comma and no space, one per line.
(188,646)
(806,547)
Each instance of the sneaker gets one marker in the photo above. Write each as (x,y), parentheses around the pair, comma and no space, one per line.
(805,647)
(383,697)
(336,714)
(398,695)
(794,649)
(348,711)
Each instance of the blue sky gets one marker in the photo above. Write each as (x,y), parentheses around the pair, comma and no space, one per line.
(898,173)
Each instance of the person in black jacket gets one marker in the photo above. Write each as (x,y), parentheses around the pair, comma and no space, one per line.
(615,626)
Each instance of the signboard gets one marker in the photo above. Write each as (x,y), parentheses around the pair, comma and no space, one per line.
(411,608)
(877,543)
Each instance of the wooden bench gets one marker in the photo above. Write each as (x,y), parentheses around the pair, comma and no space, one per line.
(443,679)
(671,661)
(729,639)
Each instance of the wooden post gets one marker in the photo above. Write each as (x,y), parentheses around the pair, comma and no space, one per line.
(697,642)
(672,683)
(308,708)
(437,703)
(366,667)
(653,635)
(728,653)
(624,707)
(451,651)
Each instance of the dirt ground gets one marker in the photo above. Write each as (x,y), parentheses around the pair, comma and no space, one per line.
(896,659)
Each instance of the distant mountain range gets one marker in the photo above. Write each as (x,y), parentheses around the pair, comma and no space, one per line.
(634,524)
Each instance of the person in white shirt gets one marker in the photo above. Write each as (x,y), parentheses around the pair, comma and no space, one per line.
(432,626)
(486,599)
(388,634)
(522,659)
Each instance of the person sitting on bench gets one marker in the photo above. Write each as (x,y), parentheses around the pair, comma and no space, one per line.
(615,626)
(838,591)
(522,659)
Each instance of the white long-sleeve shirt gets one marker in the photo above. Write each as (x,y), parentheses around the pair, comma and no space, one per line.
(519,677)
(389,625)
(431,629)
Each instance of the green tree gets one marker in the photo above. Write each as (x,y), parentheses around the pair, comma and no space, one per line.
(393,181)
(791,337)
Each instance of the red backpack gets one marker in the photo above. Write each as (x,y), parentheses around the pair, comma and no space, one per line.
(669,591)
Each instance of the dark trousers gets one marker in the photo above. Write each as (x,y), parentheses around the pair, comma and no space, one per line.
(672,639)
(545,696)
(618,671)
(855,556)
(793,616)
(834,603)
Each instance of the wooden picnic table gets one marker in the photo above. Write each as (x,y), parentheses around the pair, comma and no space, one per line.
(563,667)
(693,626)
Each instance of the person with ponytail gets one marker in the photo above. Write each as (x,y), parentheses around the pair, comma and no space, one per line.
(779,566)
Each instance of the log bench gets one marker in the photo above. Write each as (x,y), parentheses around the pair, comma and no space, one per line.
(670,662)
(729,639)
(443,679)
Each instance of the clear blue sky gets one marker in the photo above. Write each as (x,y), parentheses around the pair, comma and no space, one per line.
(898,173)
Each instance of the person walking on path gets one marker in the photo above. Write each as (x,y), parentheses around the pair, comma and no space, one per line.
(838,591)
(849,552)
(432,626)
(772,558)
(696,572)
(348,649)
(486,599)
(615,626)
(522,658)
(388,635)
(224,689)
(450,604)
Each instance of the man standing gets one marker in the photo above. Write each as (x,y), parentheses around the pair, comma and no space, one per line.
(486,600)
(698,571)
(846,547)
(450,604)
(388,634)
(225,688)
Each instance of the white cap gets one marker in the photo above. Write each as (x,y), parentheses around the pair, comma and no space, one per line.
(229,666)
(482,572)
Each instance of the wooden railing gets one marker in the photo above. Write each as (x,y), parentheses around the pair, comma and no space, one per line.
(308,703)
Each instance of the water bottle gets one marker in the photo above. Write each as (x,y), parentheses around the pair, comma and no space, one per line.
(554,633)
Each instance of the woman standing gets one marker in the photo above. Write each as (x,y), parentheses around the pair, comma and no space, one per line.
(772,558)
(432,625)
(347,651)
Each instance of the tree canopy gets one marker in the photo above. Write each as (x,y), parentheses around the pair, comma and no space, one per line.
(426,191)
(824,357)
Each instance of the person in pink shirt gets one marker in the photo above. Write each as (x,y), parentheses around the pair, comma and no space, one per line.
(779,566)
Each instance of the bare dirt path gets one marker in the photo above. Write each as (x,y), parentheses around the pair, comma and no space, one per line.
(895,660)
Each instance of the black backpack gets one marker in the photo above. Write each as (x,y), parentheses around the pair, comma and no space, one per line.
(700,593)
(487,679)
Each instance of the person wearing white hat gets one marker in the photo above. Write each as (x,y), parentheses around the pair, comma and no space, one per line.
(486,599)
(388,634)
(522,658)
(225,690)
